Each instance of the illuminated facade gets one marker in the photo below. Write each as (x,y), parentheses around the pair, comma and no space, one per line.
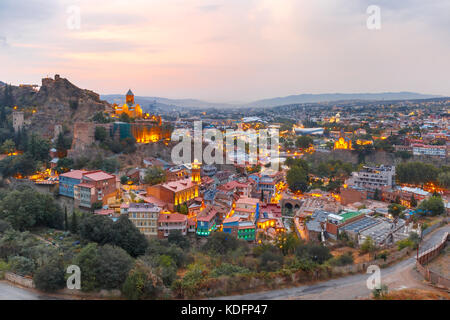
(343,144)
(195,171)
(129,107)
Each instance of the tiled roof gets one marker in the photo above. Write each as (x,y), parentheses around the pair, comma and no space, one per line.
(98,176)
(172,217)
(74,174)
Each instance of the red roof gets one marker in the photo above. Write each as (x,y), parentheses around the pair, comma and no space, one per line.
(207,214)
(98,176)
(172,217)
(179,185)
(74,174)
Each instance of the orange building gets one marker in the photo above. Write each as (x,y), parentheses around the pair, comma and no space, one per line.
(175,192)
(129,107)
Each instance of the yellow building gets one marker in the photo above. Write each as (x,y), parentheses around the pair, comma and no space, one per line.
(129,107)
(343,144)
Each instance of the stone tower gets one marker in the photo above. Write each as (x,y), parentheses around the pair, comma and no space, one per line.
(17,120)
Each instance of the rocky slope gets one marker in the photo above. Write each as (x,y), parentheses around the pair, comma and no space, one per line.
(58,101)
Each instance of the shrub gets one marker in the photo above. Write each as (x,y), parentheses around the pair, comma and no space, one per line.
(142,283)
(50,277)
(227,269)
(22,266)
(342,260)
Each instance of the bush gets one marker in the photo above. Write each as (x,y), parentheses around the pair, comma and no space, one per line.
(342,260)
(50,277)
(22,266)
(142,283)
(226,269)
(28,208)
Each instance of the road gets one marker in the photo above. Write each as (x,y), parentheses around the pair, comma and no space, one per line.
(399,276)
(9,292)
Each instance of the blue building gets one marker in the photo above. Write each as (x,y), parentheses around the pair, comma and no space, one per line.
(68,180)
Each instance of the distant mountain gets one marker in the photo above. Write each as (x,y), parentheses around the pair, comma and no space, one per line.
(331,97)
(147,102)
(2,84)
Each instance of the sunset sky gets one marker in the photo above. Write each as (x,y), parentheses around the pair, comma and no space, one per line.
(229,50)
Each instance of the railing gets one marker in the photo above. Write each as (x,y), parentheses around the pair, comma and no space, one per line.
(428,255)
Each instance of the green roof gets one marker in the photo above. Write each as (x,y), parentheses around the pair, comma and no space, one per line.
(348,215)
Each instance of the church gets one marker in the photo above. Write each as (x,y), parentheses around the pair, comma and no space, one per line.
(130,108)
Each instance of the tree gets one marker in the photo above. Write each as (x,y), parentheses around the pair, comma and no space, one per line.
(154,175)
(221,243)
(433,205)
(86,259)
(100,134)
(368,245)
(142,283)
(377,195)
(50,277)
(304,142)
(178,239)
(8,146)
(28,208)
(444,179)
(21,265)
(395,209)
(127,236)
(113,265)
(416,173)
(74,223)
(121,233)
(64,165)
(297,179)
(66,219)
(413,201)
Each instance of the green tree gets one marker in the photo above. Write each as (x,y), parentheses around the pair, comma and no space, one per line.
(142,283)
(74,223)
(433,205)
(395,209)
(297,179)
(8,146)
(28,208)
(154,175)
(50,277)
(413,201)
(368,245)
(444,179)
(304,142)
(113,265)
(100,134)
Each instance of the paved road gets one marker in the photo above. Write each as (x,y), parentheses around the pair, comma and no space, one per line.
(399,276)
(8,292)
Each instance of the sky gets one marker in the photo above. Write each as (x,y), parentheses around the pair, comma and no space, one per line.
(228,50)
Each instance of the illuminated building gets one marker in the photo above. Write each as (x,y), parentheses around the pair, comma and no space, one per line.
(343,144)
(129,107)
(175,192)
(195,171)
(206,221)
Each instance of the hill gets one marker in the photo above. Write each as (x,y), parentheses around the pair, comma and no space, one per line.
(57,101)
